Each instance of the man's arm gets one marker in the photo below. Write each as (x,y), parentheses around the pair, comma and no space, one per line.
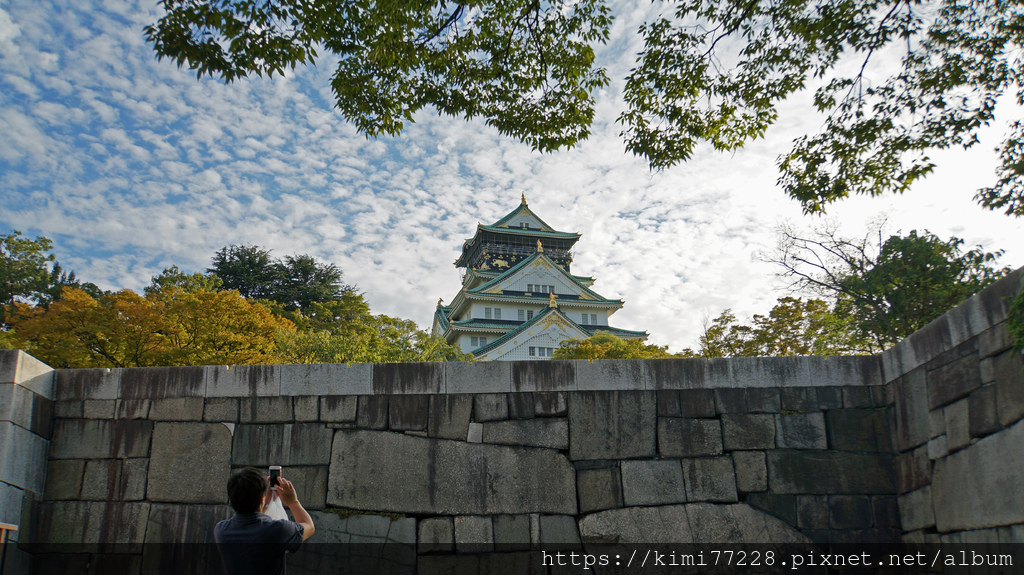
(286,491)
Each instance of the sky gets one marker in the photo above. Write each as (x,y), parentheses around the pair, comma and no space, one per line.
(131,165)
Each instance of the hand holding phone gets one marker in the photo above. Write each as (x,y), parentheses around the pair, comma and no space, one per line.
(275,475)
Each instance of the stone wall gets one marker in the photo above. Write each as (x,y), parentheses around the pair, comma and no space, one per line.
(438,461)
(958,395)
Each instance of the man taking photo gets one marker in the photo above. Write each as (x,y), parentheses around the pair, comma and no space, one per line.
(251,543)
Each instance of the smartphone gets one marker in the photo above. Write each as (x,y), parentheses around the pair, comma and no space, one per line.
(275,473)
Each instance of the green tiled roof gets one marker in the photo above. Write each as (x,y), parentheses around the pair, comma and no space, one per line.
(618,332)
(530,232)
(479,289)
(520,209)
(516,331)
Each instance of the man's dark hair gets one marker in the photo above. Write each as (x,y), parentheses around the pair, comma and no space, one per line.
(245,488)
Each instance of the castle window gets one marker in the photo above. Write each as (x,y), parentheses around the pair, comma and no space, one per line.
(497,313)
(487,313)
(593,318)
(529,287)
(540,351)
(522,315)
(473,342)
(533,351)
(483,341)
(552,289)
(529,314)
(584,322)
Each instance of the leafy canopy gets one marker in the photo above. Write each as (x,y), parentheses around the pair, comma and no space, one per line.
(524,65)
(605,345)
(709,71)
(888,287)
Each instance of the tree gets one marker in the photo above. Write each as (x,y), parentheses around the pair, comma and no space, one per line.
(165,327)
(174,277)
(524,65)
(247,269)
(528,68)
(605,345)
(30,274)
(294,283)
(888,287)
(793,327)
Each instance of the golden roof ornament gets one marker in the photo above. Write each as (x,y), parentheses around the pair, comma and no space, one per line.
(540,247)
(440,302)
(524,198)
(551,300)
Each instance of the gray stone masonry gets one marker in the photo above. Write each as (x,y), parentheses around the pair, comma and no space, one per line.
(284,444)
(223,409)
(549,404)
(710,479)
(800,431)
(611,425)
(307,408)
(859,429)
(408,412)
(199,451)
(559,531)
(512,532)
(372,412)
(953,381)
(474,533)
(679,437)
(652,482)
(913,469)
(266,410)
(176,409)
(64,479)
(824,472)
(748,431)
(599,489)
(436,534)
(449,416)
(98,439)
(490,407)
(338,408)
(548,432)
(1009,375)
(751,471)
(609,375)
(101,408)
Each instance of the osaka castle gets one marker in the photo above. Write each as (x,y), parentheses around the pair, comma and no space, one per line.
(519,299)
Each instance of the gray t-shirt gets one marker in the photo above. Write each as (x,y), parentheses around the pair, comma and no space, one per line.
(255,544)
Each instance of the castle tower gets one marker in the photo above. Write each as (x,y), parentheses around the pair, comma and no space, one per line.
(518,298)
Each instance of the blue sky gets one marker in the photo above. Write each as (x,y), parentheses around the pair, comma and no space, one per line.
(131,165)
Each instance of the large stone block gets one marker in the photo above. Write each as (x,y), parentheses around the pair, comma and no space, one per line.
(64,479)
(859,430)
(490,407)
(338,408)
(179,539)
(177,409)
(652,482)
(559,531)
(18,367)
(751,471)
(276,409)
(408,412)
(610,374)
(689,523)
(393,472)
(748,431)
(771,372)
(436,534)
(812,512)
(243,380)
(474,534)
(979,486)
(512,532)
(710,479)
(81,384)
(119,524)
(828,472)
(851,512)
(953,381)
(307,408)
(913,469)
(138,409)
(958,431)
(326,379)
(415,378)
(372,412)
(190,463)
(916,510)
(911,410)
(686,403)
(612,425)
(599,489)
(25,408)
(520,406)
(282,444)
(102,480)
(1009,376)
(310,484)
(983,416)
(782,506)
(134,475)
(689,437)
(98,439)
(839,370)
(161,382)
(550,404)
(687,373)
(556,375)
(224,409)
(11,504)
(449,416)
(478,377)
(800,431)
(545,432)
(99,408)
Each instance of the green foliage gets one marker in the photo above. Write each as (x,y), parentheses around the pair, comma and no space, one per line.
(887,288)
(524,65)
(792,327)
(30,274)
(709,71)
(1015,320)
(958,58)
(173,277)
(294,283)
(605,345)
